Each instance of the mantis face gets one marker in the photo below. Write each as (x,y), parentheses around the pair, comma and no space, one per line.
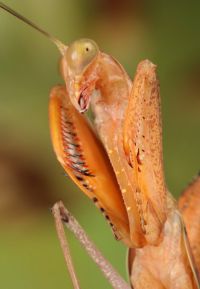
(79,65)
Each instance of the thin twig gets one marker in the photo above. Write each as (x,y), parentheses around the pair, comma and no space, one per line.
(64,245)
(109,272)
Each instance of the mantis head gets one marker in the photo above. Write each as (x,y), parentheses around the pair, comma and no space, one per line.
(79,67)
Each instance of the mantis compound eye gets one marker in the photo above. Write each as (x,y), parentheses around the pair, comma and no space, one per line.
(80,54)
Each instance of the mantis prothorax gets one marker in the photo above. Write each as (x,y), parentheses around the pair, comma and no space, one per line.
(117,162)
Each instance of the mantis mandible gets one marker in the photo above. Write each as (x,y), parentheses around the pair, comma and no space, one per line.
(117,162)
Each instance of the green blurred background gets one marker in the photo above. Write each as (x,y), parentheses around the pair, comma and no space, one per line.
(31,180)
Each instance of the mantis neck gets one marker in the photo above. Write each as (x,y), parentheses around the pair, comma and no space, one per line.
(114,86)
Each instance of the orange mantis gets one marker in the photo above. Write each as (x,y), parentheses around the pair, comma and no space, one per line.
(117,162)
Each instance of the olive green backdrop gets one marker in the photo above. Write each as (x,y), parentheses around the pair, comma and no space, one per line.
(31,180)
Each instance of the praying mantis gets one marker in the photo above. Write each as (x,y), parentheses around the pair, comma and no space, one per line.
(117,162)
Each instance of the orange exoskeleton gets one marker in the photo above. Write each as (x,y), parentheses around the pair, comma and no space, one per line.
(117,161)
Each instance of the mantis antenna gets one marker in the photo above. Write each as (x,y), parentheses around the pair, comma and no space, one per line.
(61,47)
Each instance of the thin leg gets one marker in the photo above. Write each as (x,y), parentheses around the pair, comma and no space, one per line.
(64,245)
(61,213)
(189,205)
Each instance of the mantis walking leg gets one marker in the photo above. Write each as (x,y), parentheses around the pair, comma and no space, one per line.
(61,214)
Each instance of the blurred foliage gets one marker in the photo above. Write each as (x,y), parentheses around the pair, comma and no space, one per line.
(30,178)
